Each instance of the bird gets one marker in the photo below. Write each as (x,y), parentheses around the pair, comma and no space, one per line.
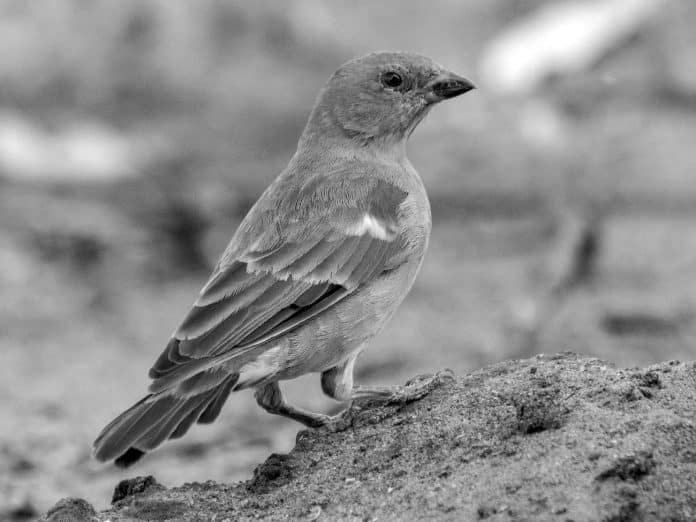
(314,271)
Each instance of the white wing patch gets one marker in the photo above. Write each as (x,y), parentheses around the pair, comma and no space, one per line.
(373,226)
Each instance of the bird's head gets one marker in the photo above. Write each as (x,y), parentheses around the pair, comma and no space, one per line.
(381,97)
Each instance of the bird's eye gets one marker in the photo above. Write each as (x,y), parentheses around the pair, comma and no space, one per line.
(392,79)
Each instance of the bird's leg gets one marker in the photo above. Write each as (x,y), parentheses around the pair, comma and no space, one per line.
(413,390)
(270,398)
(337,383)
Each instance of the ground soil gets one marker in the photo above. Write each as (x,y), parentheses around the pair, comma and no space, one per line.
(555,437)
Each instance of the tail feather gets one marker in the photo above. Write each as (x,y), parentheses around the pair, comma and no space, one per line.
(188,421)
(161,431)
(208,411)
(127,428)
(201,382)
(129,458)
(213,409)
(154,419)
(118,420)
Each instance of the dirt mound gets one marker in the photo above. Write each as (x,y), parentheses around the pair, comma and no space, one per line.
(557,437)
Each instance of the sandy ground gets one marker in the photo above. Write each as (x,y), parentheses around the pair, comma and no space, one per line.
(556,437)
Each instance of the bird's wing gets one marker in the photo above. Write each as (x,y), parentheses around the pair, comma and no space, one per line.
(298,252)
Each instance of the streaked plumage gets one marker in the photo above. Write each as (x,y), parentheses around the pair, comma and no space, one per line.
(316,268)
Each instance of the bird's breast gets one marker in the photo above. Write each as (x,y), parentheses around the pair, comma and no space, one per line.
(414,213)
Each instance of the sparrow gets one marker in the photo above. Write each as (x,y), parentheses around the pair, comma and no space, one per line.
(315,270)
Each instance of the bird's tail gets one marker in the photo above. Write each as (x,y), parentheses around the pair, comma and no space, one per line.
(156,418)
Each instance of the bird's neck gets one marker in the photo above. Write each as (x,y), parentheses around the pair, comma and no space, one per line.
(325,136)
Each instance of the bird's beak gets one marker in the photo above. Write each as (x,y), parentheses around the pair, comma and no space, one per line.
(446,85)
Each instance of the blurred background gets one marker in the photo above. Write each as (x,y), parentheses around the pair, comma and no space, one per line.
(134,135)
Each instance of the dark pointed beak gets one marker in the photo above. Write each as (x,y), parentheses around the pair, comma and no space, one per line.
(446,85)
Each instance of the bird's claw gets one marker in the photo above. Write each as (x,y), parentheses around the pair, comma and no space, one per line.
(343,420)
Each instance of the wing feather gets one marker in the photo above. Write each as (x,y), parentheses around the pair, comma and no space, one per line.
(344,274)
(202,319)
(283,268)
(230,281)
(280,257)
(302,266)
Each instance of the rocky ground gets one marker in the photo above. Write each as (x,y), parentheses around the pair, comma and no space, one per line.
(555,437)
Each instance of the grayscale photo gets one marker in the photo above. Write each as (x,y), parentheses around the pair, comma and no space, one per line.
(348,261)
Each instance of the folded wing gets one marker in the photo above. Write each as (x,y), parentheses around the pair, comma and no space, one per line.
(286,265)
(298,252)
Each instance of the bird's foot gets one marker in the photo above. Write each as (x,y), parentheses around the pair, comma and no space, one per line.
(415,389)
(420,386)
(270,398)
(342,421)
